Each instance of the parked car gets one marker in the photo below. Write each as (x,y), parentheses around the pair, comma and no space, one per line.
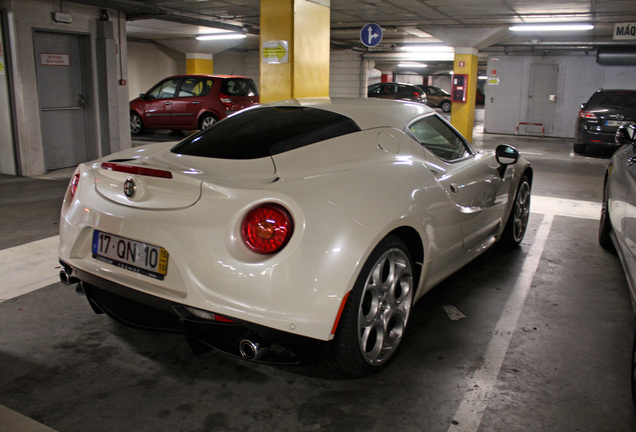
(400,91)
(601,116)
(437,97)
(617,230)
(189,102)
(243,237)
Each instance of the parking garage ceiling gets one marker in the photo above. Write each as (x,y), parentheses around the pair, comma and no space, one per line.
(482,24)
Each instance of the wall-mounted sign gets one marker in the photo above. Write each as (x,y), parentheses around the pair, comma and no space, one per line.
(276,52)
(48,59)
(625,31)
(371,35)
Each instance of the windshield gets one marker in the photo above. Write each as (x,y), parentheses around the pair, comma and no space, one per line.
(266,131)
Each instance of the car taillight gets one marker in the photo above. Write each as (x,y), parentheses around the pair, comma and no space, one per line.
(72,186)
(267,229)
(225,99)
(586,114)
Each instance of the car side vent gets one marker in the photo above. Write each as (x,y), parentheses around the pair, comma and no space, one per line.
(120,160)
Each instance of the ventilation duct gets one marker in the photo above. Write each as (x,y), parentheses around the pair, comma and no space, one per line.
(616,56)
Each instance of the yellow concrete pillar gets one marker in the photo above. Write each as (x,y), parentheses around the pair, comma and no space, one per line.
(463,113)
(199,63)
(294,49)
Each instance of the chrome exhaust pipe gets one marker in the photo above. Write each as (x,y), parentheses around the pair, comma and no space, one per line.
(66,278)
(252,349)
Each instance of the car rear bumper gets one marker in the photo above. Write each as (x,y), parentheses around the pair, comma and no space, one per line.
(586,137)
(203,330)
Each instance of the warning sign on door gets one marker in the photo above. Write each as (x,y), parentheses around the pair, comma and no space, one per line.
(47,59)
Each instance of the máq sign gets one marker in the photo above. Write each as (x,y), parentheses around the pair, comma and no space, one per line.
(625,31)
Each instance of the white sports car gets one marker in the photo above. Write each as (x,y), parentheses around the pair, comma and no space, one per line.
(290,230)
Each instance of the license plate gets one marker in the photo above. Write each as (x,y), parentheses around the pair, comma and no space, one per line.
(616,123)
(132,255)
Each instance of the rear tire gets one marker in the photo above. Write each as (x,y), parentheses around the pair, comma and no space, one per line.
(517,223)
(446,106)
(136,124)
(376,313)
(206,121)
(634,372)
(579,148)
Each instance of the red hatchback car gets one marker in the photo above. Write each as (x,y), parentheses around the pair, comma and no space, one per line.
(188,102)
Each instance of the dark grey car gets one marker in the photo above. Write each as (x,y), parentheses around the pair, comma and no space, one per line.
(601,116)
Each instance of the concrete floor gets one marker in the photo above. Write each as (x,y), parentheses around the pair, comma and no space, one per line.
(545,345)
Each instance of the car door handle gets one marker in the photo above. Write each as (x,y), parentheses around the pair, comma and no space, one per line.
(168,103)
(196,103)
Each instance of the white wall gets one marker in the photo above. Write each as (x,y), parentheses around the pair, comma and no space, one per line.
(24,17)
(149,63)
(347,74)
(578,77)
(244,63)
(7,154)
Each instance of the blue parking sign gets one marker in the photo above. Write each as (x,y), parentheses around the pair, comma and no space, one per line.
(371,35)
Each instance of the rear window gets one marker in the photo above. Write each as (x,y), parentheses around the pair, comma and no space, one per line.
(617,99)
(239,87)
(266,131)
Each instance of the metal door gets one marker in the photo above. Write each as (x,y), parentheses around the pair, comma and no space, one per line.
(58,59)
(542,96)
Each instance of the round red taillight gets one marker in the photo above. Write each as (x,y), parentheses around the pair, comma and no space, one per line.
(73,184)
(267,229)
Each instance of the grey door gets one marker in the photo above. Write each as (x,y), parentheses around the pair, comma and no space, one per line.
(58,58)
(542,96)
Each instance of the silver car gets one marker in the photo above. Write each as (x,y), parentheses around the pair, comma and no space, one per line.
(617,230)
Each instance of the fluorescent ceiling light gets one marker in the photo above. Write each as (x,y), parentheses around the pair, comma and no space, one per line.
(432,56)
(482,77)
(412,65)
(427,48)
(221,36)
(551,27)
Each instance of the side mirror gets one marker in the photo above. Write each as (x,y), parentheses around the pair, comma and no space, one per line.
(626,134)
(143,96)
(506,155)
(583,105)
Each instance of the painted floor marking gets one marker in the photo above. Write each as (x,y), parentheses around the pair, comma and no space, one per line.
(470,412)
(28,267)
(565,207)
(16,422)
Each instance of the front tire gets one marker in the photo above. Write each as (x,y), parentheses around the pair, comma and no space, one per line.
(446,106)
(605,226)
(375,315)
(517,223)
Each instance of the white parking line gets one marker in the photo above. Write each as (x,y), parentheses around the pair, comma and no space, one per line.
(565,207)
(28,267)
(471,409)
(16,422)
